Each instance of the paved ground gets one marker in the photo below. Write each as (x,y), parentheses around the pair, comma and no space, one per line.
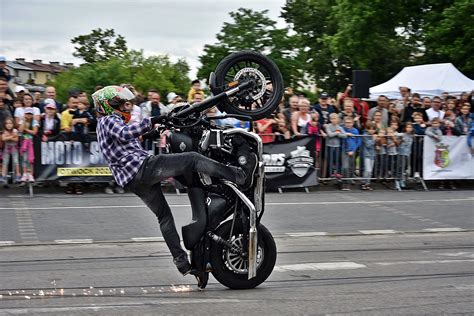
(378,253)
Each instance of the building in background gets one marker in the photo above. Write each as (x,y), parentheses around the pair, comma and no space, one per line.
(36,72)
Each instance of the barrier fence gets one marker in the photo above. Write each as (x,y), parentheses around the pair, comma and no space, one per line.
(298,162)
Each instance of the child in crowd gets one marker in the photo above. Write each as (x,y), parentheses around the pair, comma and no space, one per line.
(463,121)
(333,143)
(434,131)
(404,152)
(419,126)
(314,129)
(80,121)
(50,125)
(378,121)
(381,151)
(10,138)
(449,128)
(350,145)
(348,111)
(369,140)
(29,128)
(392,144)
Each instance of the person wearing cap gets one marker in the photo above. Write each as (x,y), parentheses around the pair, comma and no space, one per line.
(50,124)
(324,108)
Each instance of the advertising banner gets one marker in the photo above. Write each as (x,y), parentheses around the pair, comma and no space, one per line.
(290,163)
(449,159)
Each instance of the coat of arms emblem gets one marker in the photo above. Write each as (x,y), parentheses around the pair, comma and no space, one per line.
(441,155)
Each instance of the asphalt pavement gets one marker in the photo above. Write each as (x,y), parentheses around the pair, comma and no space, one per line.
(357,253)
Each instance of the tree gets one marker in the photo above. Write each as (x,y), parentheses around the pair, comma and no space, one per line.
(344,35)
(252,30)
(449,30)
(143,72)
(99,45)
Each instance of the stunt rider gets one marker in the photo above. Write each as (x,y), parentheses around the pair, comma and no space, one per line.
(135,169)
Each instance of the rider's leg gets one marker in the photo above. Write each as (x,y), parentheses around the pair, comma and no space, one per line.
(162,167)
(153,197)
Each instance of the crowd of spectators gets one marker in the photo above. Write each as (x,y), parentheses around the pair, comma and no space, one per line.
(337,122)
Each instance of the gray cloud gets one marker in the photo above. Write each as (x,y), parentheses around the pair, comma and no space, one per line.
(43,29)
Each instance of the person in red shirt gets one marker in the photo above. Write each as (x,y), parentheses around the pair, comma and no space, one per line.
(265,129)
(360,107)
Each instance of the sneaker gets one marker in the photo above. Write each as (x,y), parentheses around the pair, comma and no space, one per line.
(109,190)
(24,178)
(345,187)
(31,178)
(119,190)
(247,170)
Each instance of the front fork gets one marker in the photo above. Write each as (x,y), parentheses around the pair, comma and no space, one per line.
(253,210)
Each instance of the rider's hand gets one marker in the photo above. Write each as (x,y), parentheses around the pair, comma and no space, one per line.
(158,119)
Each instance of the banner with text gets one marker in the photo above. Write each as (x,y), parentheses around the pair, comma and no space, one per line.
(290,163)
(449,159)
(71,162)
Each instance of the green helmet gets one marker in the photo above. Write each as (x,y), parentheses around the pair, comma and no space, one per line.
(108,99)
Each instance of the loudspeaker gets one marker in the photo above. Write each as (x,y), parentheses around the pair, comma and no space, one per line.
(360,83)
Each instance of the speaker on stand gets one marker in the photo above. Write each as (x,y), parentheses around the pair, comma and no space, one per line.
(360,83)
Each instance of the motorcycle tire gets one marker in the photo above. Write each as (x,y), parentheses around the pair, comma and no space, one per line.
(223,267)
(259,101)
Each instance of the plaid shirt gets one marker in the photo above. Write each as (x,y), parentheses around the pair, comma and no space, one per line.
(120,146)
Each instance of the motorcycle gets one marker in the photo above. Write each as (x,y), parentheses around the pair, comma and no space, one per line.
(226,236)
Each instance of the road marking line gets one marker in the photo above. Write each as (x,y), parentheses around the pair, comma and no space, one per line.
(306,234)
(464,287)
(423,262)
(6,243)
(141,239)
(446,229)
(319,266)
(73,241)
(379,231)
(269,203)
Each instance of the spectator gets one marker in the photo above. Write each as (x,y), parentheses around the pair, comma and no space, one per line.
(153,107)
(4,114)
(293,107)
(451,105)
(197,97)
(80,121)
(404,152)
(4,73)
(368,154)
(265,129)
(20,91)
(67,116)
(348,111)
(282,132)
(195,88)
(382,105)
(37,97)
(419,125)
(20,111)
(5,96)
(381,151)
(313,128)
(435,110)
(392,145)
(29,129)
(324,109)
(10,138)
(405,94)
(351,144)
(333,143)
(449,128)
(173,100)
(50,124)
(378,121)
(426,104)
(434,131)
(360,107)
(300,118)
(50,93)
(414,106)
(463,121)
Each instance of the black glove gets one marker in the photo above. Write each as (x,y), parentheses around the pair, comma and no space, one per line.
(153,134)
(158,119)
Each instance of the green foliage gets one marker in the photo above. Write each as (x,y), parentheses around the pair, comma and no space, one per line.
(255,31)
(450,33)
(143,72)
(99,45)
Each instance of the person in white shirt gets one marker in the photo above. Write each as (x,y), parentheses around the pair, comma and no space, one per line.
(435,110)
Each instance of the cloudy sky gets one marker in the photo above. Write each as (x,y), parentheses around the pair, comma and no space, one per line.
(42,29)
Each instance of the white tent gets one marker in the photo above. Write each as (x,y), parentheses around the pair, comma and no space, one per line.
(427,80)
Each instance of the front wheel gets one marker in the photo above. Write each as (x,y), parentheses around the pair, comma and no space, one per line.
(263,97)
(231,269)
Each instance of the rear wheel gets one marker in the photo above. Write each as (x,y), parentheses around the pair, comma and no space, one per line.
(231,269)
(263,97)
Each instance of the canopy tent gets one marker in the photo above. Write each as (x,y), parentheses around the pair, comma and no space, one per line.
(427,80)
